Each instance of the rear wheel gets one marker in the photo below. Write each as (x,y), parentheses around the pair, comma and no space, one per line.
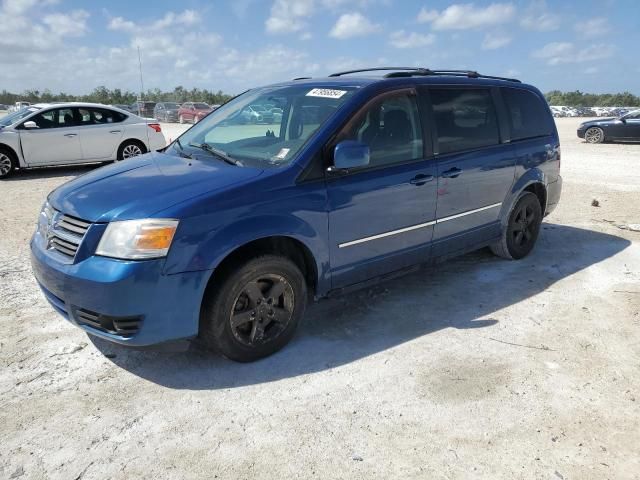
(7,163)
(255,309)
(131,148)
(520,235)
(594,135)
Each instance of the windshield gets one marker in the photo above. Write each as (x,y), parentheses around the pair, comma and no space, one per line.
(17,116)
(244,131)
(201,106)
(172,105)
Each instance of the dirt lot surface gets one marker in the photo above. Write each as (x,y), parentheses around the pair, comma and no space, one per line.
(479,368)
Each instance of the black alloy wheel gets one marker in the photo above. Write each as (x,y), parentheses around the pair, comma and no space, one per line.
(252,310)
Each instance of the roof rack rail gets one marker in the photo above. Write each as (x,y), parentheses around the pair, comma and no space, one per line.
(301,78)
(417,71)
(374,69)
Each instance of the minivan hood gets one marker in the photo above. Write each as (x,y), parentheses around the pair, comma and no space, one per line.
(142,186)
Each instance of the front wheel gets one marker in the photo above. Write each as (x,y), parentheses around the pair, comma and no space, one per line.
(255,309)
(7,163)
(521,232)
(594,135)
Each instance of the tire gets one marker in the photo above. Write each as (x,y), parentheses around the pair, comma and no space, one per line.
(181,120)
(8,163)
(242,297)
(131,148)
(594,135)
(521,232)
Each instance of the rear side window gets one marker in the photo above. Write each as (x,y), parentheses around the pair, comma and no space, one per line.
(528,116)
(465,119)
(98,116)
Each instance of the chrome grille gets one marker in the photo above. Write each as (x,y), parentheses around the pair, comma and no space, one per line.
(66,233)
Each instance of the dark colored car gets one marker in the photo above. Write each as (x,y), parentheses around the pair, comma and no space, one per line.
(143,109)
(625,128)
(228,233)
(166,111)
(193,112)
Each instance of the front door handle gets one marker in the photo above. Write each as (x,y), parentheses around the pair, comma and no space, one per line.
(70,135)
(454,172)
(115,131)
(421,179)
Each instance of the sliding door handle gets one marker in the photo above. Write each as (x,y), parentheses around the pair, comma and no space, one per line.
(70,135)
(421,179)
(454,172)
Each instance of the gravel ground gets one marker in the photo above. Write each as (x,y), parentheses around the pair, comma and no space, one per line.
(479,368)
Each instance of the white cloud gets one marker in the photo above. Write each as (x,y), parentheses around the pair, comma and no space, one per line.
(593,27)
(353,25)
(557,53)
(591,70)
(402,39)
(539,19)
(467,15)
(186,18)
(493,41)
(289,16)
(73,24)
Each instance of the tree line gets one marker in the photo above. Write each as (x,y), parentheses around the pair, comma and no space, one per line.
(117,96)
(180,94)
(581,99)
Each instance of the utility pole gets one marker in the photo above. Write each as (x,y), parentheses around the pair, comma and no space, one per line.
(141,83)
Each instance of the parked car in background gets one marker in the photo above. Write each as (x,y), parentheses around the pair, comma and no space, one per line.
(143,109)
(166,111)
(122,106)
(193,112)
(625,128)
(61,134)
(19,106)
(3,107)
(229,232)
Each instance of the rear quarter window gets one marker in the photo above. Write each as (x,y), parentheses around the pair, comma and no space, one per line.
(528,115)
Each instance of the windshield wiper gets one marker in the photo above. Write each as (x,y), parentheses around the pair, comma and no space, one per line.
(218,153)
(182,152)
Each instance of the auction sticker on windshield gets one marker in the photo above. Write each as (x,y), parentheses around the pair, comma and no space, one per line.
(326,93)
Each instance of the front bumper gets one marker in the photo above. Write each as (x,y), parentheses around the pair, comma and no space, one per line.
(166,307)
(580,132)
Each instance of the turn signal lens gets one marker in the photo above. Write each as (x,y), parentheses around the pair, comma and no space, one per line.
(154,237)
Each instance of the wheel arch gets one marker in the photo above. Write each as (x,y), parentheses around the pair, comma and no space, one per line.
(145,148)
(12,151)
(533,181)
(282,245)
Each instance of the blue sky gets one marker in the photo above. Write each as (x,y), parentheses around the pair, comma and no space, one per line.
(74,45)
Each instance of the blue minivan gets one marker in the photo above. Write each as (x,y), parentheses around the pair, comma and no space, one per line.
(228,233)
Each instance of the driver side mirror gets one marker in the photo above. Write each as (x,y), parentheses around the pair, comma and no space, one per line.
(350,154)
(30,125)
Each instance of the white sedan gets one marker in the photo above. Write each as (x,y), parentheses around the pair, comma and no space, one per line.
(68,133)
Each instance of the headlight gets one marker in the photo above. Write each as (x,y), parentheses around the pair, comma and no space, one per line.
(44,218)
(137,239)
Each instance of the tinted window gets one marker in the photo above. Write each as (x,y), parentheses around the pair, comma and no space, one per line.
(99,116)
(391,127)
(58,118)
(201,106)
(528,116)
(465,119)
